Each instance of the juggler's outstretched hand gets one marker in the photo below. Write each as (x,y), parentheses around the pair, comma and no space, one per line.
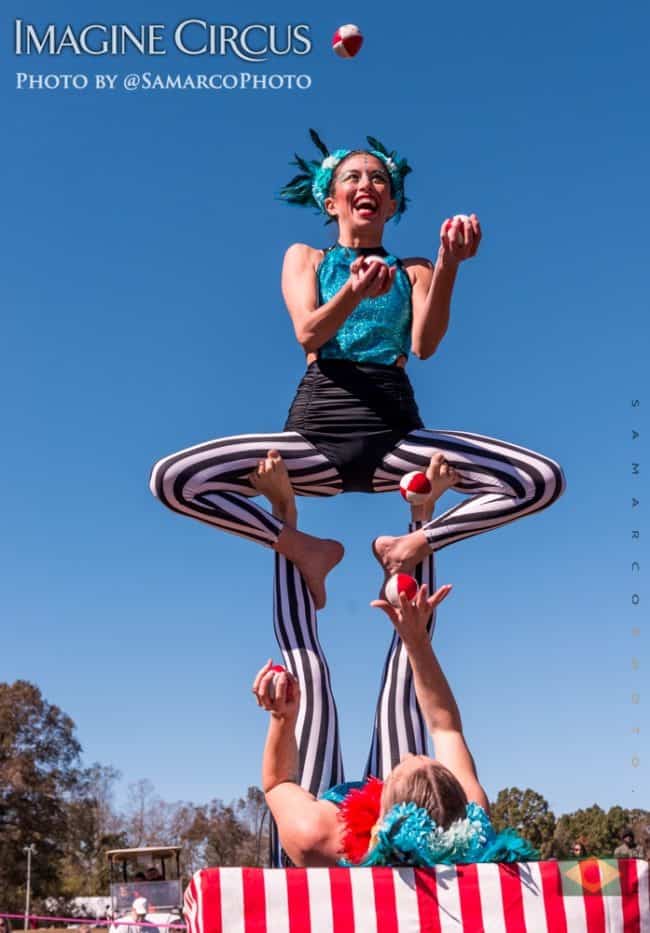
(459,238)
(411,618)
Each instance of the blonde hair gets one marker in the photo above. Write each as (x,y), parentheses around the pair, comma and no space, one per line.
(432,787)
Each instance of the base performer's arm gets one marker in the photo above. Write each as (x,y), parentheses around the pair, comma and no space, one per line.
(437,702)
(309,829)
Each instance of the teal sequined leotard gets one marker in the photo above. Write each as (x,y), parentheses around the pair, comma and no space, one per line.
(379,329)
(354,404)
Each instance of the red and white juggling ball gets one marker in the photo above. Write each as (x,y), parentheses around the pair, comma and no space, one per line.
(347,40)
(401,583)
(368,259)
(415,487)
(277,670)
(460,238)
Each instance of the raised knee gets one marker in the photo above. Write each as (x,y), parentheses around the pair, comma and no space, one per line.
(550,481)
(554,477)
(162,475)
(155,478)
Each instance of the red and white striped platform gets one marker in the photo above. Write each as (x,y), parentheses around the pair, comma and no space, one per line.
(593,896)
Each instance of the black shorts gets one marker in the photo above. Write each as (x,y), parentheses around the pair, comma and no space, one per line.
(354,414)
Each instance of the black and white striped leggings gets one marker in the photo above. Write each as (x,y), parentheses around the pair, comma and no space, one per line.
(504,482)
(398,725)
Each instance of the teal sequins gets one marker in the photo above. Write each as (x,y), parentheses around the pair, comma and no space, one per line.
(379,329)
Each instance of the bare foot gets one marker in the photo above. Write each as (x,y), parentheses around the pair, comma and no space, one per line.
(271,479)
(442,477)
(316,566)
(401,554)
(441,474)
(314,558)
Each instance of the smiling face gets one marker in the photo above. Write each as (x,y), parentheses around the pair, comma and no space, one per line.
(360,194)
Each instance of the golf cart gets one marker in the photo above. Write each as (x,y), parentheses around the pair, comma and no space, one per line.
(152,873)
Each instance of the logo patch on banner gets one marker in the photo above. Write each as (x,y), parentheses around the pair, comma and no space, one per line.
(590,876)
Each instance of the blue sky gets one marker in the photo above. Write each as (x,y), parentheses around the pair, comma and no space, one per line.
(142,314)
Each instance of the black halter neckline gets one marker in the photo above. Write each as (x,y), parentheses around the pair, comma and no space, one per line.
(365,250)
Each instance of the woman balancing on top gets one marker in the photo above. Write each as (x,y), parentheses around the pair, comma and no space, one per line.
(354,424)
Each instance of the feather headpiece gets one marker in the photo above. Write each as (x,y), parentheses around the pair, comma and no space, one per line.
(312,185)
(408,835)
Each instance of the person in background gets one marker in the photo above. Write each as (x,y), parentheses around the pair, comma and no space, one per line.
(578,849)
(628,847)
(136,921)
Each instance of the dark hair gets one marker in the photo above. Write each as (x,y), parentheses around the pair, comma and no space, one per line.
(432,787)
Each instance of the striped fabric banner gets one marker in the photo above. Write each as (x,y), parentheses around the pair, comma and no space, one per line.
(592,896)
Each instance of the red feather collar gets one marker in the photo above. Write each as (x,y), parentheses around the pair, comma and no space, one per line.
(360,811)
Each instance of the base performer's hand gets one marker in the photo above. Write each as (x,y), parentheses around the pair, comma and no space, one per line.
(411,618)
(277,693)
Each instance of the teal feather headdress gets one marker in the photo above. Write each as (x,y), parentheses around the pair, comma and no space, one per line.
(312,185)
(408,835)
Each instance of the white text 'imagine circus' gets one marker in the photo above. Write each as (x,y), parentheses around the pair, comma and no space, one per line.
(255,42)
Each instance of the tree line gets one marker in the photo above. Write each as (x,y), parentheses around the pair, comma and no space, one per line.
(48,797)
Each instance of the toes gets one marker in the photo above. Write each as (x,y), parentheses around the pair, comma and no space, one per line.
(435,467)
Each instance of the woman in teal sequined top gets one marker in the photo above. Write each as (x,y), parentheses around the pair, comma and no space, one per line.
(357,312)
(354,424)
(354,301)
(379,329)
